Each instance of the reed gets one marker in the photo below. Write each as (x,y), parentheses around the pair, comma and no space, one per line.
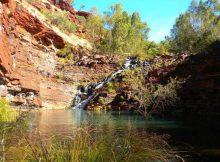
(95,145)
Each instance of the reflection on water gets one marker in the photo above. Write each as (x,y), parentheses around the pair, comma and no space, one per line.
(56,122)
(192,140)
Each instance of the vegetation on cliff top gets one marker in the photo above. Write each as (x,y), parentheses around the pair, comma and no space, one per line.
(117,32)
(61,20)
(197,28)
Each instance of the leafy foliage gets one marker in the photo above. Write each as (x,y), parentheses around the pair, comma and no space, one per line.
(81,19)
(66,51)
(7,114)
(166,96)
(110,87)
(117,32)
(197,28)
(152,97)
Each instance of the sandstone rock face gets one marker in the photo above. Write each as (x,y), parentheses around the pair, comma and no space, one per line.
(64,5)
(201,93)
(37,29)
(12,5)
(56,95)
(29,66)
(83,13)
(5,60)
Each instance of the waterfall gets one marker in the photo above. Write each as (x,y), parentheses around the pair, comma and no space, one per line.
(90,90)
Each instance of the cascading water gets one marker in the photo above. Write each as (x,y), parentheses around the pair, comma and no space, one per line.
(90,90)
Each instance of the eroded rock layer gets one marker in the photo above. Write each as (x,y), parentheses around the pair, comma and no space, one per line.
(28,63)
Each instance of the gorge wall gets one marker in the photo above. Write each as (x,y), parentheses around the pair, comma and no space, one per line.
(31,73)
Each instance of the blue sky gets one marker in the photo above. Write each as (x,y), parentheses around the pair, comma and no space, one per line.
(159,14)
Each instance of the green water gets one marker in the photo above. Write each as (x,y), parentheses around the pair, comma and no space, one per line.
(192,140)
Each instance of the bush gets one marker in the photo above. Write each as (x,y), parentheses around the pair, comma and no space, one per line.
(7,114)
(152,97)
(166,95)
(60,19)
(111,87)
(60,75)
(66,53)
(81,19)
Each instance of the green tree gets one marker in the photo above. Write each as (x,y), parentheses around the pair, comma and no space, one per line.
(117,32)
(197,28)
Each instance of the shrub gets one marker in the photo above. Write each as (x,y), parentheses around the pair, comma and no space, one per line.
(81,19)
(166,95)
(7,114)
(66,53)
(111,87)
(60,75)
(89,145)
(60,19)
(152,97)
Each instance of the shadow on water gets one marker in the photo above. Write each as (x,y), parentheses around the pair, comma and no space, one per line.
(191,139)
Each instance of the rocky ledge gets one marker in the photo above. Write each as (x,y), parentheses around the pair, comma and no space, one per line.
(31,73)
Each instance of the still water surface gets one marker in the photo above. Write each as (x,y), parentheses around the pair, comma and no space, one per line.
(192,140)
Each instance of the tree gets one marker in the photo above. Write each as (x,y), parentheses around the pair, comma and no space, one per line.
(128,32)
(118,32)
(197,28)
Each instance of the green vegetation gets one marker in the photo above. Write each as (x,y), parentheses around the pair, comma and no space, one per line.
(110,87)
(117,32)
(67,52)
(89,145)
(81,19)
(152,97)
(166,95)
(7,114)
(197,28)
(60,20)
(60,75)
(9,120)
